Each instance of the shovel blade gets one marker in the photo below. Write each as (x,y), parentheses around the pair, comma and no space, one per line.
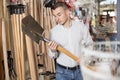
(32,28)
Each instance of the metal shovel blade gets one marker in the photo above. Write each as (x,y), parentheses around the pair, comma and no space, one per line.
(32,28)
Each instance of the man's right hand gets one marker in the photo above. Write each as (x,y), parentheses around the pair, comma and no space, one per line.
(53,46)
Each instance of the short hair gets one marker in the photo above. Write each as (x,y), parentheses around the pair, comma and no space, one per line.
(59,4)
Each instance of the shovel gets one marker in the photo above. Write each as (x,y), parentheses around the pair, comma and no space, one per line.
(32,29)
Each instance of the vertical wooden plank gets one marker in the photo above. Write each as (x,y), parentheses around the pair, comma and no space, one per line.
(31,58)
(17,32)
(35,9)
(17,64)
(36,47)
(1,70)
(5,51)
(22,41)
(1,9)
(31,7)
(6,19)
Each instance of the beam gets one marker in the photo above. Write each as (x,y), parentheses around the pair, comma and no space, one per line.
(118,20)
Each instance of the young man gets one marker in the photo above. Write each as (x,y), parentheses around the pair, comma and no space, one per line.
(70,35)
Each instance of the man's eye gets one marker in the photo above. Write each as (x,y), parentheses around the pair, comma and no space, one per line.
(59,14)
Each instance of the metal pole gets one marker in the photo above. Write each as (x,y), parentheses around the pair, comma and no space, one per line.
(98,7)
(118,20)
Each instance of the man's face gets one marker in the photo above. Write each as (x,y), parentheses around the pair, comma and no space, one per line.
(61,15)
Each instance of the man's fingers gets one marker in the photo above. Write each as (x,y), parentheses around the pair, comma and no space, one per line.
(52,45)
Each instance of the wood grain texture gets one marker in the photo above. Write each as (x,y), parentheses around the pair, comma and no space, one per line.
(67,53)
(5,51)
(1,9)
(31,58)
(1,51)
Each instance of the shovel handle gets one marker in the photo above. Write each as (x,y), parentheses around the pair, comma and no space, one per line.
(46,40)
(66,52)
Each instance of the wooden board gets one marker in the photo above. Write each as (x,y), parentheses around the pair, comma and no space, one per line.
(5,50)
(1,72)
(0,8)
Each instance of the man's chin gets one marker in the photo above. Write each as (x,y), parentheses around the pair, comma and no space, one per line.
(61,23)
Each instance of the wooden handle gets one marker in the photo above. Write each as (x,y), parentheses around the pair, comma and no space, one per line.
(5,51)
(66,52)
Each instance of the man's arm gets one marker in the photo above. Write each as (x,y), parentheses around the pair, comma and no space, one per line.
(87,39)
